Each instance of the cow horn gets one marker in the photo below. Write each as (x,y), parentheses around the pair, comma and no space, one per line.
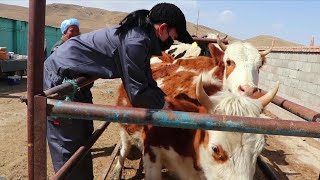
(225,37)
(267,98)
(267,51)
(221,44)
(202,96)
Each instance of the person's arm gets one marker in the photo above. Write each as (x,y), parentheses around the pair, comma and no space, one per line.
(56,45)
(142,91)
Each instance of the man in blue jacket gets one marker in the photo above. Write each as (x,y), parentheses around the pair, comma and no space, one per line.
(122,51)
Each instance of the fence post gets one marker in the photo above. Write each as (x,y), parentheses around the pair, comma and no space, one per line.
(40,134)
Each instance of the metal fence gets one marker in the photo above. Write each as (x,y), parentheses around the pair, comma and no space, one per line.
(41,104)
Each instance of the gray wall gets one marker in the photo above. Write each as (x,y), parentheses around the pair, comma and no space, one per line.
(299,76)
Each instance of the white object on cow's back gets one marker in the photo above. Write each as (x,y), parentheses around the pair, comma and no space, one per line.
(212,36)
(155,59)
(184,50)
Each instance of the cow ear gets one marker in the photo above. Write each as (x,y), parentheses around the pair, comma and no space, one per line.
(215,53)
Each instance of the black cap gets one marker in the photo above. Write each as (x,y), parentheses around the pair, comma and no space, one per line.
(174,17)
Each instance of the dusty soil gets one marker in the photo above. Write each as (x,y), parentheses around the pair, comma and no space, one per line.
(291,158)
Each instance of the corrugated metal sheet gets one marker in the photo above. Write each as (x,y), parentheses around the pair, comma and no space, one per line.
(14,35)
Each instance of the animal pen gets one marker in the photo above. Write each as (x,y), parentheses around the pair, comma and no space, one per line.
(41,104)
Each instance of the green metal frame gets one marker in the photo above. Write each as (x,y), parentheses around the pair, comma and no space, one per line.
(14,35)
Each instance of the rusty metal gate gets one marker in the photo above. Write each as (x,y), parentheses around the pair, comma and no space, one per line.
(44,103)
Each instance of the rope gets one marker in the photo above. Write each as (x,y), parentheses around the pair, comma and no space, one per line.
(75,86)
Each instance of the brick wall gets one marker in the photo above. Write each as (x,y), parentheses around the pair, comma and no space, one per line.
(298,71)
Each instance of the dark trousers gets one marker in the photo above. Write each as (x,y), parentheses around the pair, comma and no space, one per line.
(64,138)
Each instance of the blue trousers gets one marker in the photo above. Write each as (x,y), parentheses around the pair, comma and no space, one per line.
(64,138)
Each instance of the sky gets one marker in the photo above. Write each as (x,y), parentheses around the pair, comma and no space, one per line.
(292,20)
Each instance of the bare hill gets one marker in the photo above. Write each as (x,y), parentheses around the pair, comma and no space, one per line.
(90,18)
(95,18)
(265,40)
(13,12)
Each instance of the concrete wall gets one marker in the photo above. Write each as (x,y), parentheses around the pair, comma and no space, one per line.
(298,73)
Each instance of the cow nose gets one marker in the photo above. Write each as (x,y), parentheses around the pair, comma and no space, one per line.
(247,90)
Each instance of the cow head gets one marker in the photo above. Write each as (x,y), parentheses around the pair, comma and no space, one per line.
(231,155)
(242,63)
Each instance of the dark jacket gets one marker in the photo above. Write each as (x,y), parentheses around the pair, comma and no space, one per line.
(56,45)
(102,54)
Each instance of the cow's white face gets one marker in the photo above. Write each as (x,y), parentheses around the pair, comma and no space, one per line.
(232,155)
(242,63)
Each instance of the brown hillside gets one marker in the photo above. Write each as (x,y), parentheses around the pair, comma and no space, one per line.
(95,18)
(90,18)
(265,40)
(13,12)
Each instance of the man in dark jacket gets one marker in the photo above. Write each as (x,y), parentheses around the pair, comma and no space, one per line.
(122,51)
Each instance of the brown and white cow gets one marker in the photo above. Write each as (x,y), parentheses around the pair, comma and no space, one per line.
(178,80)
(243,62)
(207,154)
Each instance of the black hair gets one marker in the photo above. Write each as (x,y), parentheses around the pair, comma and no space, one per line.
(137,18)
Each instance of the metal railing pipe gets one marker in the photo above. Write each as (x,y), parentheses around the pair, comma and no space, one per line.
(294,108)
(58,92)
(76,158)
(176,119)
(61,90)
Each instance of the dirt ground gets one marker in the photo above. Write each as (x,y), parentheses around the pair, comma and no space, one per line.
(291,158)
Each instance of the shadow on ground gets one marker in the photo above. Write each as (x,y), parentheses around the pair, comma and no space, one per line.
(102,152)
(6,90)
(277,158)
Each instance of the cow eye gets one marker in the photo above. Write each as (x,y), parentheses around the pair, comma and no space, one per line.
(230,62)
(215,148)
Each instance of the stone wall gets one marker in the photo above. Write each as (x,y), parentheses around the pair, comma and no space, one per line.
(298,71)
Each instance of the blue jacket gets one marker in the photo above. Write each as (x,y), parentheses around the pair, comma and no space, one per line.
(102,54)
